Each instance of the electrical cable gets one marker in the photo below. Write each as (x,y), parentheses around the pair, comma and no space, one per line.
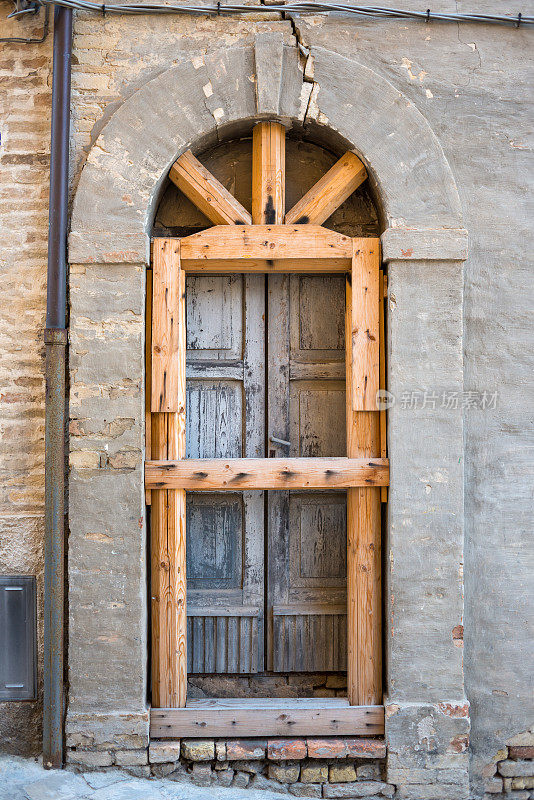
(37,40)
(299,7)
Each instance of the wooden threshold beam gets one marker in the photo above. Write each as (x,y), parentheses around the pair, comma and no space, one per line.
(267,248)
(329,192)
(266,473)
(266,717)
(206,192)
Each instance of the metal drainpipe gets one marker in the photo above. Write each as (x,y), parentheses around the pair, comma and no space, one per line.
(55,337)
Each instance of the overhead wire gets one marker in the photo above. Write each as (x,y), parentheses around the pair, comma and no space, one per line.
(30,40)
(299,7)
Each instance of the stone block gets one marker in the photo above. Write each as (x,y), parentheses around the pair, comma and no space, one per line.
(241,780)
(162,770)
(525,739)
(493,785)
(342,773)
(286,749)
(252,767)
(198,749)
(284,773)
(245,749)
(521,751)
(263,783)
(220,751)
(225,777)
(88,758)
(441,791)
(314,772)
(139,772)
(411,775)
(327,748)
(131,758)
(516,769)
(369,771)
(305,790)
(523,783)
(369,789)
(164,752)
(201,774)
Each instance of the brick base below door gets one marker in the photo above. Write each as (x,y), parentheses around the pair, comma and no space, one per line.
(330,768)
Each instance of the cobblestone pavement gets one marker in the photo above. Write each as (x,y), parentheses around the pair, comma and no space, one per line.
(25,779)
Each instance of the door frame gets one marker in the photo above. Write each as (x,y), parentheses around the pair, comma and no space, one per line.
(264,244)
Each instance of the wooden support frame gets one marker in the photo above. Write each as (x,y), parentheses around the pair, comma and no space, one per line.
(267,248)
(329,192)
(364,596)
(236,245)
(167,520)
(236,474)
(268,173)
(267,717)
(206,192)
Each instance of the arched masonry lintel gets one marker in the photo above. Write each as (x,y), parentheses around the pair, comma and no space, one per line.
(200,101)
(208,98)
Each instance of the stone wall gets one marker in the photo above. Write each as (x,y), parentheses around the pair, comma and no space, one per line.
(510,774)
(25,74)
(331,768)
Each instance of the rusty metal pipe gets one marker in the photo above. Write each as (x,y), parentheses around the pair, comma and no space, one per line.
(55,338)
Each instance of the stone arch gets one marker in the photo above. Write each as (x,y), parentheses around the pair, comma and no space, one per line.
(206,99)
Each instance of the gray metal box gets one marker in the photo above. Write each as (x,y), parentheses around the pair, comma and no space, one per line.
(17,637)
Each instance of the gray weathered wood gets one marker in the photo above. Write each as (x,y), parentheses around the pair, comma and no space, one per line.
(225,402)
(307,531)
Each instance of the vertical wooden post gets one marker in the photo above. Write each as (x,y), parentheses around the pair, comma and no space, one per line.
(268,173)
(168,546)
(365,335)
(364,611)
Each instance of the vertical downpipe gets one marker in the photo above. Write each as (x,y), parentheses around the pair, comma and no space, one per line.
(55,338)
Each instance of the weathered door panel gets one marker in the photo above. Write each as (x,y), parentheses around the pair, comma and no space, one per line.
(225,419)
(306,569)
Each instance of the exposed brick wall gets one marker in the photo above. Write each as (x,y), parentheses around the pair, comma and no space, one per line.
(25,78)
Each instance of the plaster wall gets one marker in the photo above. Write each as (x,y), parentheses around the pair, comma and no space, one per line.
(470,83)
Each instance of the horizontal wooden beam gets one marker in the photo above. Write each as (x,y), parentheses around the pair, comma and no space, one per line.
(234,474)
(206,192)
(266,248)
(266,717)
(329,192)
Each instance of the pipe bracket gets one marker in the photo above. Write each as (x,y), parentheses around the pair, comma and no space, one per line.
(56,336)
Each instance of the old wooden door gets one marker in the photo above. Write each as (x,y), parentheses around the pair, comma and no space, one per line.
(252,561)
(306,583)
(296,583)
(225,419)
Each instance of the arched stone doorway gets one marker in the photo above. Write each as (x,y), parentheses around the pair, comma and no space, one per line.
(203,100)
